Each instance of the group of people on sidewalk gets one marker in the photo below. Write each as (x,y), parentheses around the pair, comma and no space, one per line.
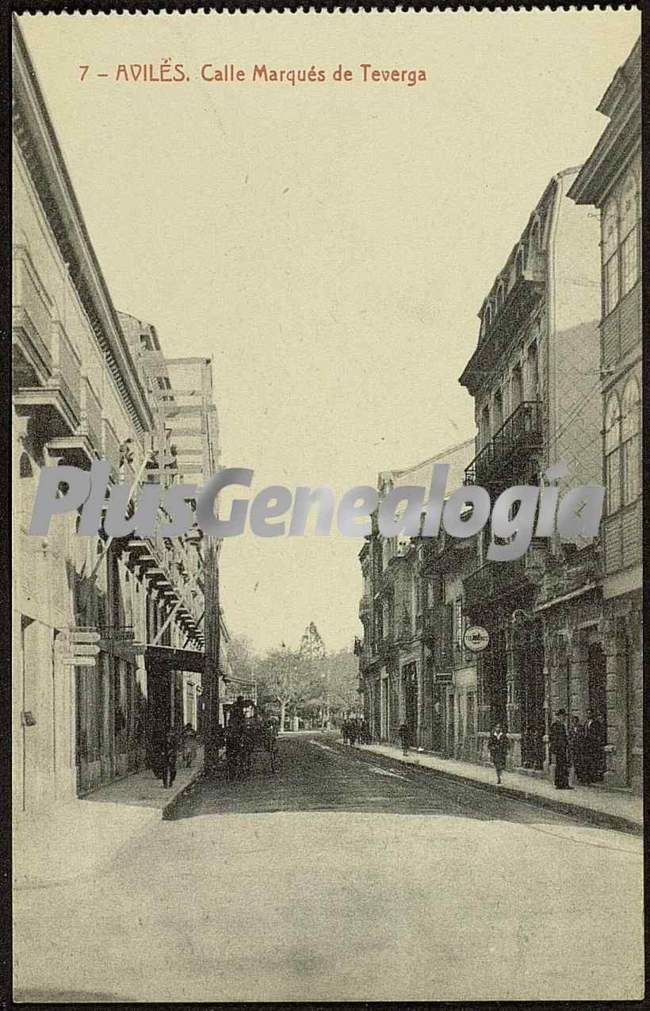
(580,746)
(355,731)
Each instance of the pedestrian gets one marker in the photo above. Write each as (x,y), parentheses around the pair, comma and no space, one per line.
(404,735)
(345,732)
(352,732)
(498,745)
(559,749)
(189,745)
(168,758)
(577,750)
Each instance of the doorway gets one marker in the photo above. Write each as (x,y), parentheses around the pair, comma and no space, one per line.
(410,676)
(597,680)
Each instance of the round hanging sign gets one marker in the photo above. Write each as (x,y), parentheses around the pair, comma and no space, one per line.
(476,638)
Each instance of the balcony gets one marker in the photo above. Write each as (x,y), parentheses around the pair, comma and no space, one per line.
(91,417)
(31,323)
(111,446)
(505,457)
(56,403)
(498,580)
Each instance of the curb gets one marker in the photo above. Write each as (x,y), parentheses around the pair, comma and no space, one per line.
(169,810)
(602,818)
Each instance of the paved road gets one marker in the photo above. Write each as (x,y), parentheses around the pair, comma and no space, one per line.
(318,773)
(345,876)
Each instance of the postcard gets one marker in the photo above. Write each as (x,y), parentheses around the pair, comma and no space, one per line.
(326,525)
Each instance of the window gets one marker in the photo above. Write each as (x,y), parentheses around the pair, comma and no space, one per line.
(630,425)
(458,626)
(536,236)
(610,258)
(484,430)
(487,315)
(520,263)
(500,296)
(497,413)
(613,454)
(629,262)
(620,245)
(531,373)
(516,388)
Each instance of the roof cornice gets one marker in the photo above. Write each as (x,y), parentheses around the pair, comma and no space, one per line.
(50,176)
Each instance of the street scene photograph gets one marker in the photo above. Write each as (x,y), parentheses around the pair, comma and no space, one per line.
(326,449)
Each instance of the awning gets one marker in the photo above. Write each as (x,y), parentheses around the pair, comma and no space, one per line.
(170,658)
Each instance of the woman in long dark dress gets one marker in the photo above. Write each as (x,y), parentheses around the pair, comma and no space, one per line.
(498,745)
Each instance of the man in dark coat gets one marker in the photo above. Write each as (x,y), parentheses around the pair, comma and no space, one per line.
(559,749)
(498,745)
(404,735)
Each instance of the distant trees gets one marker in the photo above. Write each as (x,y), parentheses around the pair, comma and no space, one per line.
(280,679)
(307,682)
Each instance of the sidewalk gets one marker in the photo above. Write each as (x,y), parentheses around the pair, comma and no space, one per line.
(612,808)
(77,839)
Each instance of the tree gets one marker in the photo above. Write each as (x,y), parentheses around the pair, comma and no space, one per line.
(241,657)
(280,679)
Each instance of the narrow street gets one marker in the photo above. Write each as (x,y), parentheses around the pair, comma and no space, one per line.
(343,876)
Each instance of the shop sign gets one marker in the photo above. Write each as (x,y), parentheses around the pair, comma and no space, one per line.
(476,639)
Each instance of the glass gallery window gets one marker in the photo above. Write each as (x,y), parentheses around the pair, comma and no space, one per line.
(631,442)
(613,454)
(620,244)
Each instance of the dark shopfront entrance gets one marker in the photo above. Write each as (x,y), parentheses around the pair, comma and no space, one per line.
(165,666)
(410,676)
(597,679)
(529,661)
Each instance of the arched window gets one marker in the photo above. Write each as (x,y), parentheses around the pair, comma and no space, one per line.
(610,257)
(520,262)
(497,412)
(613,454)
(536,236)
(516,388)
(500,295)
(629,232)
(484,429)
(531,372)
(630,439)
(487,315)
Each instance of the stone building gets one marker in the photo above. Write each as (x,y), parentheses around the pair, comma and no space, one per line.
(83,392)
(610,180)
(412,615)
(534,380)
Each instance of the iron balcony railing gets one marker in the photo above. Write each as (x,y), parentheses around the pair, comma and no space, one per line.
(520,435)
(496,579)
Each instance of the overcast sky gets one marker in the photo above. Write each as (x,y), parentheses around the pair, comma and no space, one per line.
(328,245)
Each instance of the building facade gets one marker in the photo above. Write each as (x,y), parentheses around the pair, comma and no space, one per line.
(610,180)
(412,666)
(534,380)
(83,391)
